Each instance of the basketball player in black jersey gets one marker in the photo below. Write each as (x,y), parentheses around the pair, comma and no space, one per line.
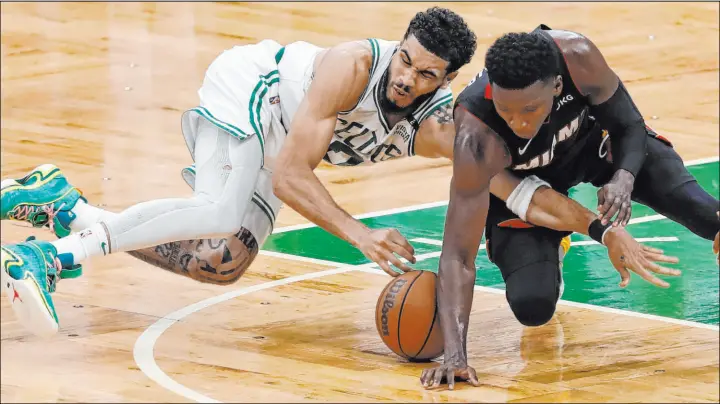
(548,109)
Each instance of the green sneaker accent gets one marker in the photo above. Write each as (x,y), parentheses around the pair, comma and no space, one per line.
(36,260)
(39,198)
(74,272)
(188,174)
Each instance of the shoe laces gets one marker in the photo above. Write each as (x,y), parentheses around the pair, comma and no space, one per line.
(30,212)
(52,279)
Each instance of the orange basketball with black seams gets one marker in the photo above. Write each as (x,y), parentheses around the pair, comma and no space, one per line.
(406,316)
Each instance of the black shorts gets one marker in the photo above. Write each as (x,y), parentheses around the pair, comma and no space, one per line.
(513,244)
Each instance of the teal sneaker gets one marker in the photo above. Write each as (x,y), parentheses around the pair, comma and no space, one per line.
(44,197)
(188,174)
(30,273)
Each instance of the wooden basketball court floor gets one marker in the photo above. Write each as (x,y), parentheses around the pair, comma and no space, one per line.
(98,89)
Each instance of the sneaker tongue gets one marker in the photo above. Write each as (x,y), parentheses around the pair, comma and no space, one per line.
(66,260)
(65,217)
(38,219)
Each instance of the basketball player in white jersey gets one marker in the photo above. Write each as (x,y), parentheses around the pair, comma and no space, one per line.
(268,115)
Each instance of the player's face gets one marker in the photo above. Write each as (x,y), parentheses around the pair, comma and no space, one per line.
(526,110)
(414,72)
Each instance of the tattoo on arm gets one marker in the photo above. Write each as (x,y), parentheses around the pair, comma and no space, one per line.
(444,114)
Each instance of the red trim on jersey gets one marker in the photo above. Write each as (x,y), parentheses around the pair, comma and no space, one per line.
(488,92)
(664,139)
(515,224)
(659,137)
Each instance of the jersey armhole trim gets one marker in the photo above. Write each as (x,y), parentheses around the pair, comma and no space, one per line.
(447,99)
(567,66)
(375,49)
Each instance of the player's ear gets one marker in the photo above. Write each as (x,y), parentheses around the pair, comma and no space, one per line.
(558,86)
(448,79)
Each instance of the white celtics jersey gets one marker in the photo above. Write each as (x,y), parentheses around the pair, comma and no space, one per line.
(362,135)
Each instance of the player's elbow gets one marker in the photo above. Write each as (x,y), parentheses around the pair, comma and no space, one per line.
(280,184)
(283,178)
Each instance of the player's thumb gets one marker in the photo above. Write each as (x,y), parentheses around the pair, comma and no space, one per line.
(624,273)
(624,277)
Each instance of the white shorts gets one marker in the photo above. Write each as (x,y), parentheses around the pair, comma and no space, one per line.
(240,96)
(243,94)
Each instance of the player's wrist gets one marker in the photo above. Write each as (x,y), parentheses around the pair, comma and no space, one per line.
(598,231)
(455,357)
(624,175)
(356,232)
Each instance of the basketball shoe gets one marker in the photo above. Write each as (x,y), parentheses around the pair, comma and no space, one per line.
(44,197)
(30,273)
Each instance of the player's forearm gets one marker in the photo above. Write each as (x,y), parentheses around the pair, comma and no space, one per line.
(626,127)
(456,280)
(556,211)
(304,193)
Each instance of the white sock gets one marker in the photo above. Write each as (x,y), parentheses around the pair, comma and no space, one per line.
(85,244)
(88,215)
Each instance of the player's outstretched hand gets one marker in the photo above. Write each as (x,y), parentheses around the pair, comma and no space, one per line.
(626,253)
(433,377)
(614,198)
(381,245)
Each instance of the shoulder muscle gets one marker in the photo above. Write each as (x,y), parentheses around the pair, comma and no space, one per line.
(586,65)
(341,75)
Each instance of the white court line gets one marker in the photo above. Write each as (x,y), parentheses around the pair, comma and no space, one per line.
(702,161)
(143,351)
(574,243)
(367,215)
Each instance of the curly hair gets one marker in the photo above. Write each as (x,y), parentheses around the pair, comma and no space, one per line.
(517,60)
(444,34)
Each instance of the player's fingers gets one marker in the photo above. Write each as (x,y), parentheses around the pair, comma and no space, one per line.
(398,238)
(661,269)
(386,267)
(652,250)
(643,273)
(424,376)
(389,256)
(624,276)
(438,378)
(450,379)
(624,215)
(654,257)
(611,211)
(601,201)
(402,251)
(430,377)
(472,377)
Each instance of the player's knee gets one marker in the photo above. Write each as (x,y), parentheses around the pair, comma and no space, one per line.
(220,276)
(221,267)
(222,261)
(532,293)
(533,310)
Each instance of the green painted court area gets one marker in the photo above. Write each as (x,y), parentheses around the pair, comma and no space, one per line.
(589,276)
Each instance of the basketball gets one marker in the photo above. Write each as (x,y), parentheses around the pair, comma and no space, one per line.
(406,317)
